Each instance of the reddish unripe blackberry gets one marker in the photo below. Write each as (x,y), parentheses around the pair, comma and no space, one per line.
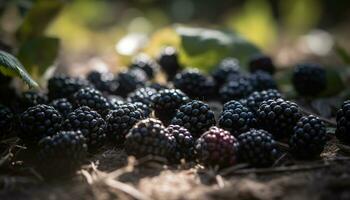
(166,102)
(309,138)
(61,155)
(278,117)
(343,123)
(195,116)
(185,143)
(150,137)
(309,79)
(257,147)
(216,147)
(261,62)
(37,122)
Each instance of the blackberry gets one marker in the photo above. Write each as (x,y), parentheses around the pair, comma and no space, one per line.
(62,105)
(309,137)
(121,120)
(102,81)
(146,110)
(257,147)
(232,105)
(261,80)
(62,86)
(278,117)
(91,125)
(145,63)
(157,86)
(129,81)
(185,143)
(37,122)
(168,60)
(227,67)
(195,116)
(254,100)
(166,102)
(143,95)
(343,123)
(237,120)
(149,137)
(216,147)
(6,121)
(194,84)
(61,155)
(236,89)
(309,79)
(261,62)
(115,102)
(92,98)
(31,98)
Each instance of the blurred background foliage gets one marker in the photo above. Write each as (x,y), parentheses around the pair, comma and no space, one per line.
(106,33)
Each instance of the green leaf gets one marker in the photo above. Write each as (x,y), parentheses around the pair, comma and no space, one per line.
(204,48)
(38,18)
(335,83)
(9,65)
(342,53)
(38,54)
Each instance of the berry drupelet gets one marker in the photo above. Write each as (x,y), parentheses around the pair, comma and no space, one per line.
(216,147)
(121,120)
(309,79)
(37,122)
(257,147)
(278,117)
(343,123)
(168,60)
(185,143)
(62,86)
(149,137)
(237,119)
(61,155)
(195,116)
(63,106)
(92,98)
(226,67)
(166,102)
(309,138)
(91,125)
(261,62)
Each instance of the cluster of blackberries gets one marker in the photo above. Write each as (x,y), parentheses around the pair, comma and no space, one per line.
(173,121)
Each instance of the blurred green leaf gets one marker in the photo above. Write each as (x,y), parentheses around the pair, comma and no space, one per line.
(342,53)
(335,83)
(38,54)
(206,47)
(9,65)
(38,18)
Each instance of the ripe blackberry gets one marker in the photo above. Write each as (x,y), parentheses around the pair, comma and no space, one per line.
(92,98)
(62,86)
(121,120)
(236,89)
(6,121)
(37,122)
(166,102)
(343,123)
(261,80)
(168,60)
(61,155)
(309,79)
(102,81)
(129,81)
(261,62)
(91,125)
(32,98)
(232,105)
(226,67)
(157,86)
(194,84)
(254,100)
(257,147)
(145,63)
(278,117)
(146,110)
(143,95)
(309,137)
(237,119)
(216,147)
(195,116)
(149,137)
(115,102)
(62,105)
(185,143)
